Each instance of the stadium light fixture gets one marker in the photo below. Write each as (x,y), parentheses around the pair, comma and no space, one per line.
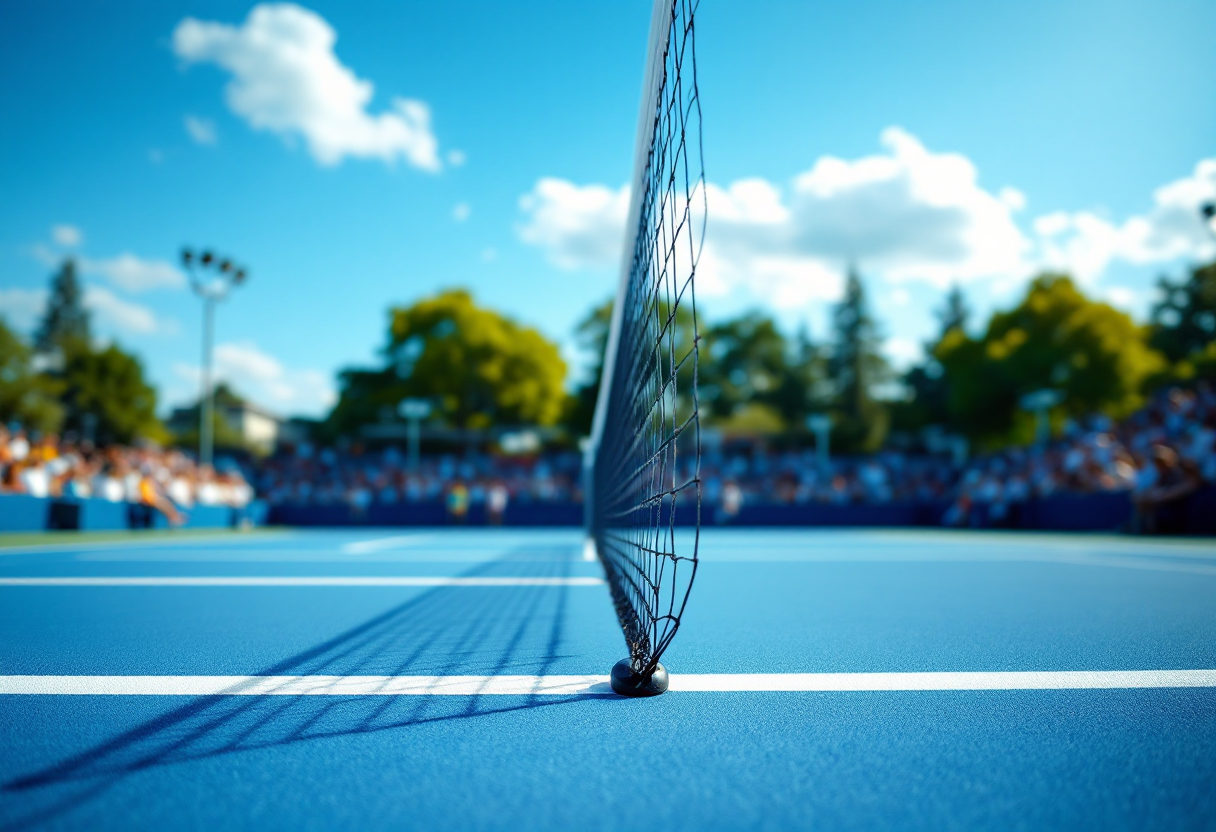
(1208,212)
(211,278)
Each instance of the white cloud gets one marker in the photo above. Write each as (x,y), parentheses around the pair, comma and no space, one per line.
(287,79)
(461,212)
(903,352)
(489,255)
(909,213)
(112,312)
(68,236)
(22,308)
(1012,198)
(577,226)
(456,158)
(1084,243)
(134,274)
(265,380)
(202,130)
(905,214)
(1124,297)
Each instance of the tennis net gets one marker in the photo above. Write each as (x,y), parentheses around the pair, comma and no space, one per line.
(643,458)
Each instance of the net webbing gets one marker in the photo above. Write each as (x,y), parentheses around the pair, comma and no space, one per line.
(644,456)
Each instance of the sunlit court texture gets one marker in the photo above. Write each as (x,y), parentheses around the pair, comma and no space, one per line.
(665,415)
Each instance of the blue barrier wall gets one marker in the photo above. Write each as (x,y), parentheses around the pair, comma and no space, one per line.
(1061,512)
(1076,512)
(22,513)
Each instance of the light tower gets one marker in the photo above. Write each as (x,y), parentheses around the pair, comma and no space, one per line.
(212,278)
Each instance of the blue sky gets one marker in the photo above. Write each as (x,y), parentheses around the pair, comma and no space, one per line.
(488,145)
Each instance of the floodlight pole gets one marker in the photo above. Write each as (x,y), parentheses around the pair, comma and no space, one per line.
(1040,403)
(414,411)
(206,399)
(227,276)
(821,425)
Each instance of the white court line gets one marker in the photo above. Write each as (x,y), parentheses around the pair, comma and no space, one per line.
(300,581)
(1063,558)
(596,685)
(401,541)
(186,539)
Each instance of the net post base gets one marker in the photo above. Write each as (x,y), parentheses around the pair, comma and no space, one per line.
(627,683)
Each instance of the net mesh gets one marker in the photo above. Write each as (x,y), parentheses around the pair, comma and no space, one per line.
(645,451)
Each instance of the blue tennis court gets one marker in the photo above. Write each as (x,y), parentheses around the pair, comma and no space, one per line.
(416,679)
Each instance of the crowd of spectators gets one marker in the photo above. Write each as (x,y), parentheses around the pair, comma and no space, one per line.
(166,480)
(307,475)
(1162,453)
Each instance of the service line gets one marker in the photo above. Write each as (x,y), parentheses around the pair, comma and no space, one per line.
(302,580)
(597,685)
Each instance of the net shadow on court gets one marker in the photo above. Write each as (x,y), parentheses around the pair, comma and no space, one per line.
(445,631)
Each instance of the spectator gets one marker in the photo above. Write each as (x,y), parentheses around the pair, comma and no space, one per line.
(1173,479)
(458,503)
(496,503)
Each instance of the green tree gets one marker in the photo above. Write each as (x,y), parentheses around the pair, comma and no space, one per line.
(1055,338)
(592,337)
(478,367)
(65,317)
(856,368)
(106,394)
(926,385)
(753,376)
(1183,322)
(26,396)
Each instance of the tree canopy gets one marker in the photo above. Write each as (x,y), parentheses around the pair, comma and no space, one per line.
(26,396)
(1183,323)
(98,392)
(926,386)
(478,368)
(592,337)
(1055,338)
(65,317)
(752,377)
(106,394)
(856,369)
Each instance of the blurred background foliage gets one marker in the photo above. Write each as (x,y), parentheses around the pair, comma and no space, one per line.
(1055,338)
(68,381)
(477,367)
(480,369)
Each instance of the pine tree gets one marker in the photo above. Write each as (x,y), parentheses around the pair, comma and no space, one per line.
(926,386)
(856,367)
(954,314)
(65,318)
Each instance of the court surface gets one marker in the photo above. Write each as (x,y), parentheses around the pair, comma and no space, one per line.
(821,679)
